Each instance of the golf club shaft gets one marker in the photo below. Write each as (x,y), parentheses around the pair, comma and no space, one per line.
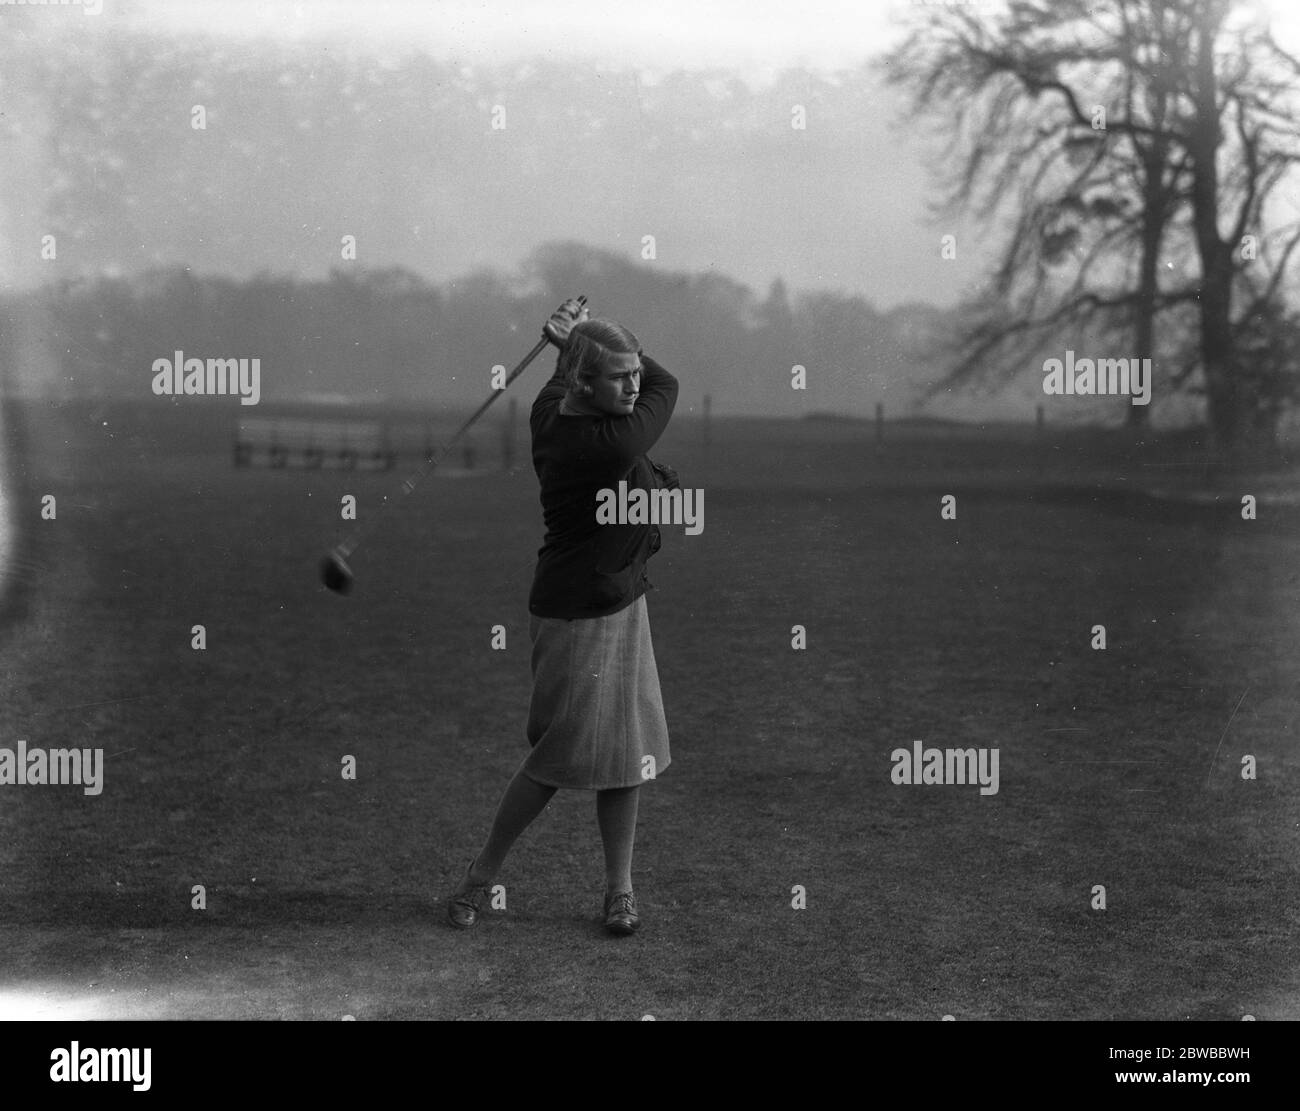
(434,459)
(348,546)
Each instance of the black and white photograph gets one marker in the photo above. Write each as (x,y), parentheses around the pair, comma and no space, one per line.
(695,511)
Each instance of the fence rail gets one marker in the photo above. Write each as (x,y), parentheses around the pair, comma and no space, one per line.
(310,442)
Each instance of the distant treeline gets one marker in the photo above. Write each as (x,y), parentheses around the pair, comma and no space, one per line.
(389,334)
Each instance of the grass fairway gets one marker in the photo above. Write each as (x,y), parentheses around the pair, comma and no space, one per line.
(325,897)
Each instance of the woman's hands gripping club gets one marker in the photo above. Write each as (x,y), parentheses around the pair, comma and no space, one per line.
(557,328)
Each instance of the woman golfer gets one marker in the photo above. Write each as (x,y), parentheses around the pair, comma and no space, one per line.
(596,719)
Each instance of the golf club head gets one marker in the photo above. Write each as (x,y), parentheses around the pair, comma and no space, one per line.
(336,574)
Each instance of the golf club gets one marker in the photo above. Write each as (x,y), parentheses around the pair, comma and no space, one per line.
(335,572)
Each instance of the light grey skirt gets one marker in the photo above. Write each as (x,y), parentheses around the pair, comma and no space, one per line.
(596,718)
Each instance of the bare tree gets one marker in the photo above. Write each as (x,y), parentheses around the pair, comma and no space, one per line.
(1092,131)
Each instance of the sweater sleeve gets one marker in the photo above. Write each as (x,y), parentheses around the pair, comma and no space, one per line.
(554,389)
(623,439)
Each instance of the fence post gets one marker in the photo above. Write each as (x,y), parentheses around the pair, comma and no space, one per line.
(508,437)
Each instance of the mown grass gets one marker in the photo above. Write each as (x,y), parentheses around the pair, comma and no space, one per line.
(325,897)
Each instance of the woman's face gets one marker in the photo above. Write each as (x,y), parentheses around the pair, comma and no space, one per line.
(616,387)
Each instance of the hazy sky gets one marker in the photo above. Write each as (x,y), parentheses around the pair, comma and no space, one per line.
(713,169)
(753,37)
(670,119)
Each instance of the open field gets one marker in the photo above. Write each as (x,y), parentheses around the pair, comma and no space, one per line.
(325,897)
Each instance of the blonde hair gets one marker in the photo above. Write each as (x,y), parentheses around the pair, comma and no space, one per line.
(586,349)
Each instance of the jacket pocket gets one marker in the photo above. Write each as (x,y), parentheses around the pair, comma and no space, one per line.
(608,588)
(616,561)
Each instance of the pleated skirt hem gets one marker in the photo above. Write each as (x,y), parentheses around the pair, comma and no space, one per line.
(596,716)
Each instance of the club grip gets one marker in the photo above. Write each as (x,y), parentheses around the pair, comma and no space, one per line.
(582,302)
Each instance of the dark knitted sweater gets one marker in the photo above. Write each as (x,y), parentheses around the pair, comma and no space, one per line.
(585,569)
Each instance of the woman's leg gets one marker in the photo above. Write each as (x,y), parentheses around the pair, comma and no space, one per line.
(523,800)
(616,816)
